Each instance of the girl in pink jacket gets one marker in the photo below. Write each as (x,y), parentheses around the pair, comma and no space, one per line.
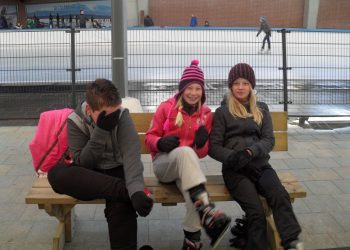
(177,139)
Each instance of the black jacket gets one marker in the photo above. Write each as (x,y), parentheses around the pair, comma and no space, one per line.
(230,134)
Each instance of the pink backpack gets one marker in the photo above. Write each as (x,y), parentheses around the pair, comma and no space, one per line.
(50,143)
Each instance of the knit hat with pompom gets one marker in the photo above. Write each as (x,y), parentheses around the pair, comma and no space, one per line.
(190,75)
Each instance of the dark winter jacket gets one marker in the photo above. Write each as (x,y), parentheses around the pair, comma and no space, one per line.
(264,26)
(230,134)
(97,148)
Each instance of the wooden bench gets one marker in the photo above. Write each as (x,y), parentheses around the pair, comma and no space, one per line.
(61,206)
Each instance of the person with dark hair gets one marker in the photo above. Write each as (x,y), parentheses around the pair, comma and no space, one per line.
(147,21)
(50,21)
(106,162)
(3,20)
(177,139)
(58,20)
(241,139)
(82,19)
(206,23)
(264,26)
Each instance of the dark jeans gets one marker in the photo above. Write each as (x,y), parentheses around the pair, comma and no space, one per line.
(246,193)
(85,184)
(266,38)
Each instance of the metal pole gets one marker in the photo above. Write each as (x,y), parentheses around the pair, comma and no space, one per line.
(284,68)
(119,48)
(72,32)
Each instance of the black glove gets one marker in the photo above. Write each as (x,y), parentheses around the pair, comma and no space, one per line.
(201,137)
(238,160)
(168,143)
(253,173)
(244,157)
(108,122)
(141,203)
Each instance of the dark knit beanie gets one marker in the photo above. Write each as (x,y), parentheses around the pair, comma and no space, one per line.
(191,74)
(241,70)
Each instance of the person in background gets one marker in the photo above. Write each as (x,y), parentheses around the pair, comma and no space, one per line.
(241,139)
(106,163)
(148,21)
(178,138)
(18,26)
(50,21)
(193,22)
(264,26)
(58,20)
(206,23)
(82,19)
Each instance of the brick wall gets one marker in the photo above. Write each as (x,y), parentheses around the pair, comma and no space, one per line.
(334,14)
(244,13)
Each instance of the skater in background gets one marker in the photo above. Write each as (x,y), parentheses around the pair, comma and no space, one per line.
(148,21)
(264,26)
(193,22)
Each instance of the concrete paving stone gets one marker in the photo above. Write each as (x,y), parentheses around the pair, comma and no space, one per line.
(322,187)
(142,230)
(158,212)
(342,239)
(11,195)
(16,232)
(322,203)
(24,168)
(33,214)
(300,153)
(344,172)
(85,211)
(42,232)
(87,230)
(343,200)
(16,159)
(342,144)
(26,246)
(343,219)
(177,212)
(322,153)
(296,145)
(324,144)
(280,155)
(343,185)
(160,244)
(299,163)
(278,164)
(299,206)
(10,211)
(343,161)
(323,174)
(99,213)
(167,229)
(318,223)
(300,174)
(4,168)
(324,162)
(319,241)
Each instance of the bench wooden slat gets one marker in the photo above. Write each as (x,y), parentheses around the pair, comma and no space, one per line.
(42,192)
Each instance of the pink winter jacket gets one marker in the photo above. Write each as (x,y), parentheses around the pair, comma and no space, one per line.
(163,124)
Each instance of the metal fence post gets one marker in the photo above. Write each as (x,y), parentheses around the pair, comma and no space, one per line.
(284,68)
(72,32)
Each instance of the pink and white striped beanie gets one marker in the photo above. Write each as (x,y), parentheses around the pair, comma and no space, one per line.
(190,75)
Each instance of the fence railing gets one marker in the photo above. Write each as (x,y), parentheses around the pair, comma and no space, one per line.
(44,69)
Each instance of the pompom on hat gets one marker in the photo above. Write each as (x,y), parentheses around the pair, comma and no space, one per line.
(241,70)
(191,74)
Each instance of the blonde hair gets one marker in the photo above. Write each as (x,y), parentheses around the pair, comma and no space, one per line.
(237,109)
(179,118)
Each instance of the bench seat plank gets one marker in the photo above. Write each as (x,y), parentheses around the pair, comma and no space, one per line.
(42,193)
